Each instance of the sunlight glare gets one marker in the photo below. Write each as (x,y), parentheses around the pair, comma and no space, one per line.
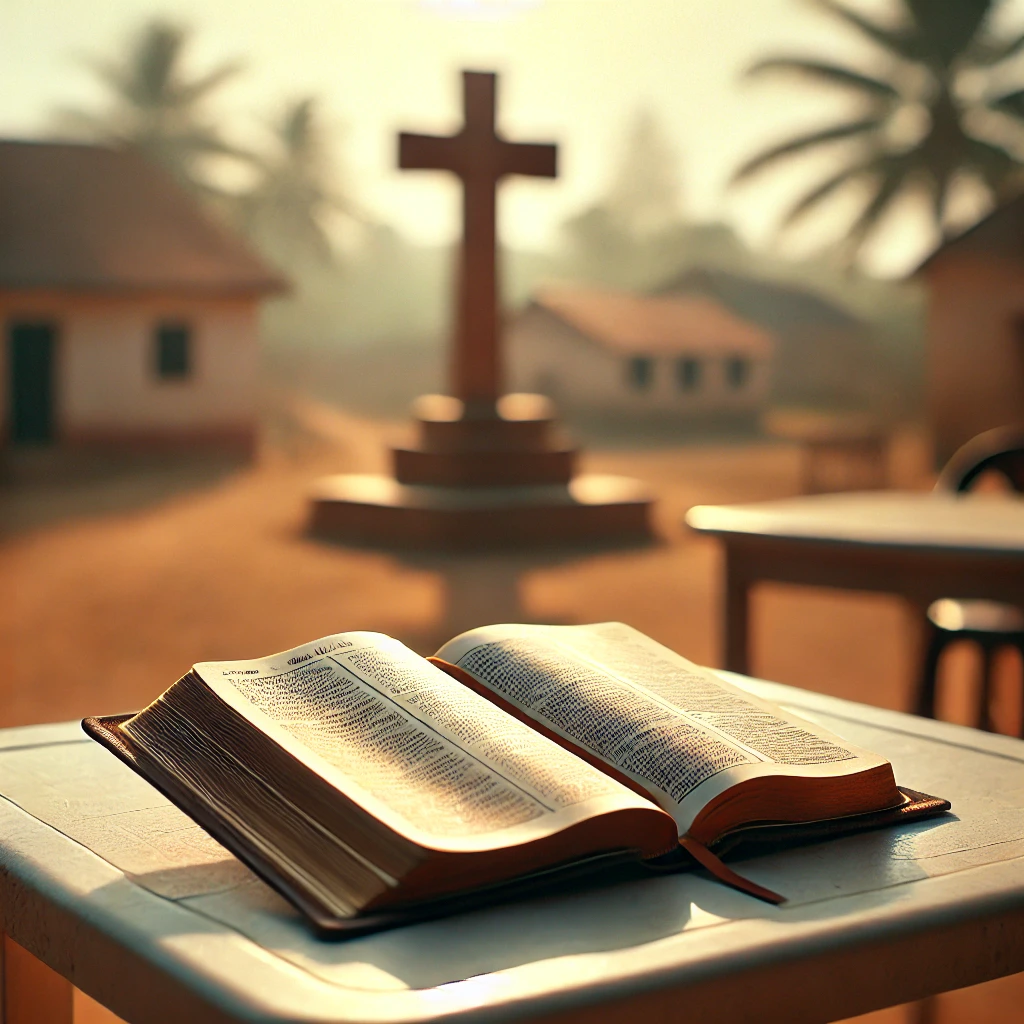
(484,10)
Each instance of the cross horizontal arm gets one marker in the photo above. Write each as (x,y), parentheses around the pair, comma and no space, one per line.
(428,152)
(537,159)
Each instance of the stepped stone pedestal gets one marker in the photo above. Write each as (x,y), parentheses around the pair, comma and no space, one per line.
(503,477)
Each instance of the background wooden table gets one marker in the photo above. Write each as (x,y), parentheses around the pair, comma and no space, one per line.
(918,545)
(119,893)
(839,452)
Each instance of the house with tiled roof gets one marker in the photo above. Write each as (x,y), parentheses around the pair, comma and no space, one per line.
(130,315)
(824,354)
(602,352)
(975,330)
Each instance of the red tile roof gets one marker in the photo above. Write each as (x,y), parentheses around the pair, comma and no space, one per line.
(90,218)
(633,324)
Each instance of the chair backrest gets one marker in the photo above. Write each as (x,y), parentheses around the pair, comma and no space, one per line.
(1000,450)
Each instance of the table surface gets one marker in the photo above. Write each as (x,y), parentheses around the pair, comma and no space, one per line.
(906,519)
(116,889)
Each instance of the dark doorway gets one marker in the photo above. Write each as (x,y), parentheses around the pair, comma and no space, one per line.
(30,347)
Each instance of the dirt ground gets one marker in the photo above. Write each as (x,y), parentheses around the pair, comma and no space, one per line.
(120,576)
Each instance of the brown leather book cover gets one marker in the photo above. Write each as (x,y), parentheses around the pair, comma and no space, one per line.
(601,869)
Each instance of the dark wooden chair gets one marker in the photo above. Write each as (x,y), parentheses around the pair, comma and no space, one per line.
(987,624)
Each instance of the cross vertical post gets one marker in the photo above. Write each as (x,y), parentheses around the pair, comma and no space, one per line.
(480,158)
(487,470)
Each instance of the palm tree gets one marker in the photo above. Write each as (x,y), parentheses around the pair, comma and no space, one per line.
(293,195)
(918,127)
(157,108)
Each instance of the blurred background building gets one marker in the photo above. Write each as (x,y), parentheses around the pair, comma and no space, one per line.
(975,333)
(132,317)
(609,353)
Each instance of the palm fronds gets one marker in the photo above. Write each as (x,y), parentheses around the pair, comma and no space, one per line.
(815,72)
(942,41)
(802,143)
(156,107)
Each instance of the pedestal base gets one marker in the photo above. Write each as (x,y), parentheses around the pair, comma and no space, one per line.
(378,510)
(516,443)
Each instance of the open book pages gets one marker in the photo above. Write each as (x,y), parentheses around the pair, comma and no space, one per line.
(710,754)
(366,751)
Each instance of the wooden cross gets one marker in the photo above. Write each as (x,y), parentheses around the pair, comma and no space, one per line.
(481,158)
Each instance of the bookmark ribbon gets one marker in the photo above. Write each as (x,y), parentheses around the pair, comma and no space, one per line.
(703,856)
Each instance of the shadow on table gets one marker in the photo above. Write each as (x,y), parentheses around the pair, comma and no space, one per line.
(599,920)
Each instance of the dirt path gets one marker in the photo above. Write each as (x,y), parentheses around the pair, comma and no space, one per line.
(107,608)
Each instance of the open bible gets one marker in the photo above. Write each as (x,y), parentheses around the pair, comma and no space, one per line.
(370,785)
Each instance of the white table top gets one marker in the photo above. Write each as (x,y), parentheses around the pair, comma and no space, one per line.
(93,858)
(991,523)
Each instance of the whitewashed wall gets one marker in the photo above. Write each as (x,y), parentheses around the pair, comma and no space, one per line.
(106,381)
(545,354)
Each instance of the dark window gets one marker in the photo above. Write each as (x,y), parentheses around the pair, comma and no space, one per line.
(173,350)
(31,381)
(737,372)
(640,372)
(688,373)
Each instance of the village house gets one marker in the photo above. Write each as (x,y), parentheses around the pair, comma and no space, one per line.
(130,316)
(604,352)
(975,330)
(824,356)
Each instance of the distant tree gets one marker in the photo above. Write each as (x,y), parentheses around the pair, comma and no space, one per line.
(618,239)
(295,192)
(644,197)
(920,124)
(157,107)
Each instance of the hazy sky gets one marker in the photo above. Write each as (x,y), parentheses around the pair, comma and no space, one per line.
(574,71)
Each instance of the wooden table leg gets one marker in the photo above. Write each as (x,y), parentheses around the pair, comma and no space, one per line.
(736,624)
(32,992)
(916,618)
(925,1011)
